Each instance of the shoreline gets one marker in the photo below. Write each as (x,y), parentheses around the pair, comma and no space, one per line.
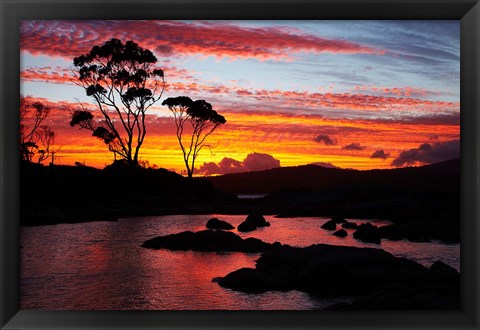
(420,210)
(392,232)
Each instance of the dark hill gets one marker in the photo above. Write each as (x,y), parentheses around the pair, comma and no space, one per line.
(67,194)
(444,175)
(424,200)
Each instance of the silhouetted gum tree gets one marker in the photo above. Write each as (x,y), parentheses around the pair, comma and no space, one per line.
(36,139)
(124,82)
(202,120)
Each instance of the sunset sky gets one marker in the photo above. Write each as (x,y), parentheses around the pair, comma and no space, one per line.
(352,94)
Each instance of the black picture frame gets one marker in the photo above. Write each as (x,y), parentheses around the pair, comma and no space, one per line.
(12,11)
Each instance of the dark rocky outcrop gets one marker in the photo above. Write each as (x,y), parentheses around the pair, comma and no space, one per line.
(416,231)
(439,289)
(252,281)
(341,233)
(422,231)
(215,223)
(209,241)
(405,297)
(252,222)
(377,279)
(349,225)
(368,233)
(329,225)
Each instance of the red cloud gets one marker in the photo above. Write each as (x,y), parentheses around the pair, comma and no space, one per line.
(59,75)
(72,38)
(356,101)
(59,110)
(305,99)
(280,99)
(397,91)
(48,75)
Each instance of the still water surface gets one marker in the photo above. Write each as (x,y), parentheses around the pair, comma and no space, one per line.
(101,266)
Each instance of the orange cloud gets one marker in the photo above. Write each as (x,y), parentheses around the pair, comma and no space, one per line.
(289,137)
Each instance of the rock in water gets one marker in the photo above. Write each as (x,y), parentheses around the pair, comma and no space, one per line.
(368,233)
(329,225)
(349,225)
(215,223)
(245,226)
(252,222)
(341,233)
(257,220)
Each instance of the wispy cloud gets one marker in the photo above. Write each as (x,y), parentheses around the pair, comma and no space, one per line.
(175,38)
(51,75)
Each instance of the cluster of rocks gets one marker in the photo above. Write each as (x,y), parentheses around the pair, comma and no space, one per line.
(372,234)
(416,231)
(332,225)
(251,223)
(375,278)
(365,232)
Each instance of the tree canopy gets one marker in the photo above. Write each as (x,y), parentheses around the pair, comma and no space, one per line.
(199,118)
(124,82)
(36,138)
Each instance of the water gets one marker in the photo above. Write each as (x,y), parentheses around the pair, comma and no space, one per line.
(101,266)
